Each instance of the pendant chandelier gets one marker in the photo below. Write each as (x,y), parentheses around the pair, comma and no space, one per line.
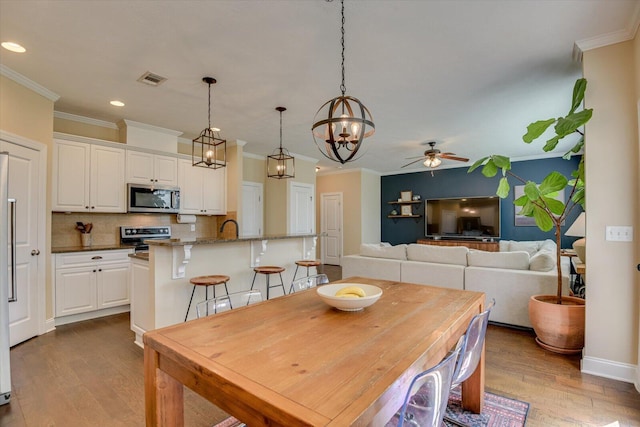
(209,150)
(281,164)
(342,123)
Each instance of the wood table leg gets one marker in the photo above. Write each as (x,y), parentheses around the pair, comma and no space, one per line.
(473,388)
(164,400)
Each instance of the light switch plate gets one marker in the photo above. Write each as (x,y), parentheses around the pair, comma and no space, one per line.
(193,227)
(619,233)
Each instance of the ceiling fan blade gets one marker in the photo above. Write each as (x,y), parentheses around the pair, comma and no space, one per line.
(449,157)
(415,157)
(415,161)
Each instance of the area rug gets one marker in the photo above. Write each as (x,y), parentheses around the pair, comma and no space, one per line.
(498,411)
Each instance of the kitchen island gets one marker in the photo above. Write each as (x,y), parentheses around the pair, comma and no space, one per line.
(160,288)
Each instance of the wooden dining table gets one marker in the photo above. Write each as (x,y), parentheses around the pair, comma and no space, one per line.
(296,361)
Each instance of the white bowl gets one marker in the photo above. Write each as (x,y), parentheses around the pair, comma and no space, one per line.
(328,295)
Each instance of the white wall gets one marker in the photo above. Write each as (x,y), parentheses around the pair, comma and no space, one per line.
(612,180)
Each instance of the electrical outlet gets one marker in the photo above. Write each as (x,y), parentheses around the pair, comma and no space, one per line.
(193,227)
(619,233)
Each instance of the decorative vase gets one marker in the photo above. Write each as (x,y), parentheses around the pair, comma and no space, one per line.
(559,327)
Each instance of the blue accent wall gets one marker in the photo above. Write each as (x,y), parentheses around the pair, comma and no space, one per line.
(458,183)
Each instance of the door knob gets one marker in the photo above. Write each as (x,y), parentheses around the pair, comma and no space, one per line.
(35,252)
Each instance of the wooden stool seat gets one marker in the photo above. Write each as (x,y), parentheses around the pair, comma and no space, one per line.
(304,263)
(268,270)
(209,280)
(206,281)
(308,263)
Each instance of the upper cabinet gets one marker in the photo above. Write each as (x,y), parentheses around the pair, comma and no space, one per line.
(202,190)
(147,168)
(88,177)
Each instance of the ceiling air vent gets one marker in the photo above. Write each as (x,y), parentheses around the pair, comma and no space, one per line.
(151,79)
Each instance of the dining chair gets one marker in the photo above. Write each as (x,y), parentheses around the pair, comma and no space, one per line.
(471,344)
(308,282)
(426,400)
(227,302)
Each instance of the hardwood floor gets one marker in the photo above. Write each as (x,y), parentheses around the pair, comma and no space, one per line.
(90,374)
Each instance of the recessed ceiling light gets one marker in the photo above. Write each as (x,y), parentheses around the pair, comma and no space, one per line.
(13,47)
(116,103)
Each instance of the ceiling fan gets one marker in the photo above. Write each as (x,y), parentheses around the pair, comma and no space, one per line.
(432,158)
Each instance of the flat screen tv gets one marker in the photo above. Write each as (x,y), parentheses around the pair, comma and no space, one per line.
(473,218)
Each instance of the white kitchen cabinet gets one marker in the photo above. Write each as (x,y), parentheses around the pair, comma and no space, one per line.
(148,168)
(88,177)
(202,191)
(91,280)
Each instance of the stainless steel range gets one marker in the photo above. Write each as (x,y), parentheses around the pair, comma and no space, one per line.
(135,236)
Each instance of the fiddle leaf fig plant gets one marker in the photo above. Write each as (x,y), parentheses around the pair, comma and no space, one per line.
(539,200)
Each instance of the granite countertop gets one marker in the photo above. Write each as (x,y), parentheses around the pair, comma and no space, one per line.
(213,240)
(140,255)
(65,249)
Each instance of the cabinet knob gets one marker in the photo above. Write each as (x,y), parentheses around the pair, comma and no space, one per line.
(86,207)
(94,271)
(99,269)
(35,252)
(96,257)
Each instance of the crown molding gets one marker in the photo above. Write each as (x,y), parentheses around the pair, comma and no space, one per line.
(253,156)
(28,83)
(610,38)
(145,126)
(85,120)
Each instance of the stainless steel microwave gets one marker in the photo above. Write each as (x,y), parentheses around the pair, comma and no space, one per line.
(153,198)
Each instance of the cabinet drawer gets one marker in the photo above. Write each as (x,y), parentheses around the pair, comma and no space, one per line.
(74,259)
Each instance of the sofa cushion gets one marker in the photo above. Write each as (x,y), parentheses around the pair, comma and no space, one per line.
(438,254)
(543,260)
(374,250)
(518,260)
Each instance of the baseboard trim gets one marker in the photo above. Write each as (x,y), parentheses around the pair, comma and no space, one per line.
(49,325)
(609,369)
(64,320)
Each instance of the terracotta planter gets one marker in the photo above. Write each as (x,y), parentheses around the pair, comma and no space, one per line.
(559,327)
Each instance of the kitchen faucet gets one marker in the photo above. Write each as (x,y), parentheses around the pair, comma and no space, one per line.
(225,223)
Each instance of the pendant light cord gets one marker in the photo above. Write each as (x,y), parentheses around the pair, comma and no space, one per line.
(209,106)
(343,88)
(281,131)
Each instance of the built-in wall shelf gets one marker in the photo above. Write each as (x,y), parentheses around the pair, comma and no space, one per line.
(406,207)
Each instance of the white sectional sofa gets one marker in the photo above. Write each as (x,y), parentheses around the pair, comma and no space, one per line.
(511,276)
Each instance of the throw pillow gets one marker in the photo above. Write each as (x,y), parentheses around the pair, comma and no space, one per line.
(529,246)
(544,260)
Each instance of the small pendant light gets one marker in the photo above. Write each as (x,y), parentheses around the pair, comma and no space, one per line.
(209,150)
(281,164)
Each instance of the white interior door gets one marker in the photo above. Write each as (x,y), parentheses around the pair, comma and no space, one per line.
(301,208)
(252,207)
(331,226)
(23,187)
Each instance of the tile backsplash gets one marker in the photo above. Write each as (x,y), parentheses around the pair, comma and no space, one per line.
(106,226)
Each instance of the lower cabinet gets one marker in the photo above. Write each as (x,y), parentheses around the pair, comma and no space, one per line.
(90,281)
(142,310)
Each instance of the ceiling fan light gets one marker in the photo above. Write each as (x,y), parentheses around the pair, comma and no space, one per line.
(432,162)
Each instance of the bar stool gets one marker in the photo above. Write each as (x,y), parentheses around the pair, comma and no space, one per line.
(304,263)
(207,281)
(268,270)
